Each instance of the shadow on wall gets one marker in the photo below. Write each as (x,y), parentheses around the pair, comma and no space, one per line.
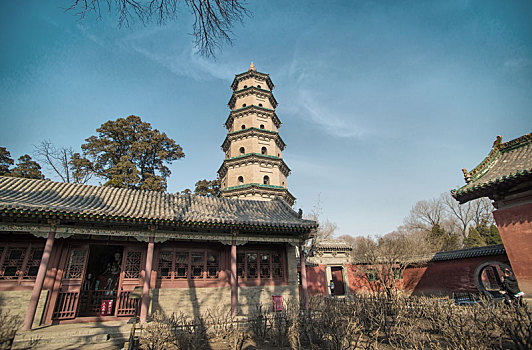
(446,277)
(316,283)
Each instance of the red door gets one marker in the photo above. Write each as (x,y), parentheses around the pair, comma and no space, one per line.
(338,280)
(130,277)
(74,272)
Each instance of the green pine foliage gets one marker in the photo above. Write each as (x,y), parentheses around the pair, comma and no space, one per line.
(27,168)
(493,236)
(128,153)
(5,161)
(474,239)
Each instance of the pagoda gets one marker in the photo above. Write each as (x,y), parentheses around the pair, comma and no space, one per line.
(253,167)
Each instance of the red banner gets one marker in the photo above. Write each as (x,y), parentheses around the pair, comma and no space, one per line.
(106,308)
(277,303)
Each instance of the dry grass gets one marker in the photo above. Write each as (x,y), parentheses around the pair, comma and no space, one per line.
(358,322)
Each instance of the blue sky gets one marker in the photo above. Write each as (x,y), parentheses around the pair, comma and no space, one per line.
(382,102)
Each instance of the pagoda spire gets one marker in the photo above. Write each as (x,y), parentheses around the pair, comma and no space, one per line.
(253,167)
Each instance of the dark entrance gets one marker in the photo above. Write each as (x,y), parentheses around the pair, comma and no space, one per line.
(101,281)
(338,280)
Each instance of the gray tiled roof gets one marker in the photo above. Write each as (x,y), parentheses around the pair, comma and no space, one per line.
(47,197)
(334,244)
(507,164)
(470,253)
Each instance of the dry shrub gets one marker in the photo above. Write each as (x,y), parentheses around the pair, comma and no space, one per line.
(174,332)
(8,327)
(514,322)
(356,322)
(331,324)
(157,335)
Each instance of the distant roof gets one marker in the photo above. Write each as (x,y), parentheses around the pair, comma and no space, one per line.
(508,163)
(42,197)
(470,253)
(333,244)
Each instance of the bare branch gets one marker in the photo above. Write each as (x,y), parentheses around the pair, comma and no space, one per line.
(213,19)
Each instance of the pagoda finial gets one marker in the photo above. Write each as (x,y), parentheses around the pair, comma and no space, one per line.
(252,67)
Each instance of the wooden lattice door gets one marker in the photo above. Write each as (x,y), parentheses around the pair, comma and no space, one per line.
(132,272)
(74,272)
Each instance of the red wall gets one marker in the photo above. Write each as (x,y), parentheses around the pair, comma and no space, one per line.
(515,227)
(435,278)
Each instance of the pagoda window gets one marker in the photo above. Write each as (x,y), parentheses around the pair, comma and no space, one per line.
(245,86)
(244,105)
(241,180)
(262,126)
(242,150)
(266,180)
(263,150)
(243,126)
(260,104)
(258,86)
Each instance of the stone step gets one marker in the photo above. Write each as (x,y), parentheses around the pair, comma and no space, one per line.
(98,335)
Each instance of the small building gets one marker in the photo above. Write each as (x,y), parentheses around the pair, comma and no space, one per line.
(505,176)
(67,250)
(327,262)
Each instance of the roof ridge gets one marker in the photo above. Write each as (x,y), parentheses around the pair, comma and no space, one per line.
(516,143)
(486,164)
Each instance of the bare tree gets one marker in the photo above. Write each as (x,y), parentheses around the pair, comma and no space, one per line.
(213,19)
(384,258)
(67,165)
(326,228)
(425,214)
(461,214)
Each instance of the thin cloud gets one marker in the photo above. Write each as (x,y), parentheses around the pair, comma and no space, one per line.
(184,62)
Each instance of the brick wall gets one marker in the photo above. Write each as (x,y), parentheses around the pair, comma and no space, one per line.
(515,227)
(16,303)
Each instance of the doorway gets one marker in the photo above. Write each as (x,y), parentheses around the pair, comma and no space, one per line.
(101,282)
(338,280)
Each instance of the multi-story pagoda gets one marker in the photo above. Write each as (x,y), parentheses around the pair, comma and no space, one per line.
(253,167)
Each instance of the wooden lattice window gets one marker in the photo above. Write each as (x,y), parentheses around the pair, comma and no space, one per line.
(213,265)
(177,264)
(76,264)
(133,264)
(32,265)
(277,265)
(259,264)
(13,261)
(252,269)
(240,264)
(264,265)
(164,269)
(181,265)
(198,262)
(18,262)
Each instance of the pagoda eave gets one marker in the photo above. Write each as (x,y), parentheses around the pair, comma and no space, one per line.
(251,132)
(259,189)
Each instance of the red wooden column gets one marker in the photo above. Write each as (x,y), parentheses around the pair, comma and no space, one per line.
(37,287)
(147,280)
(304,289)
(234,286)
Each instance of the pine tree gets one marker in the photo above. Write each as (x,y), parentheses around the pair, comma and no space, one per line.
(5,161)
(474,239)
(130,154)
(27,168)
(493,236)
